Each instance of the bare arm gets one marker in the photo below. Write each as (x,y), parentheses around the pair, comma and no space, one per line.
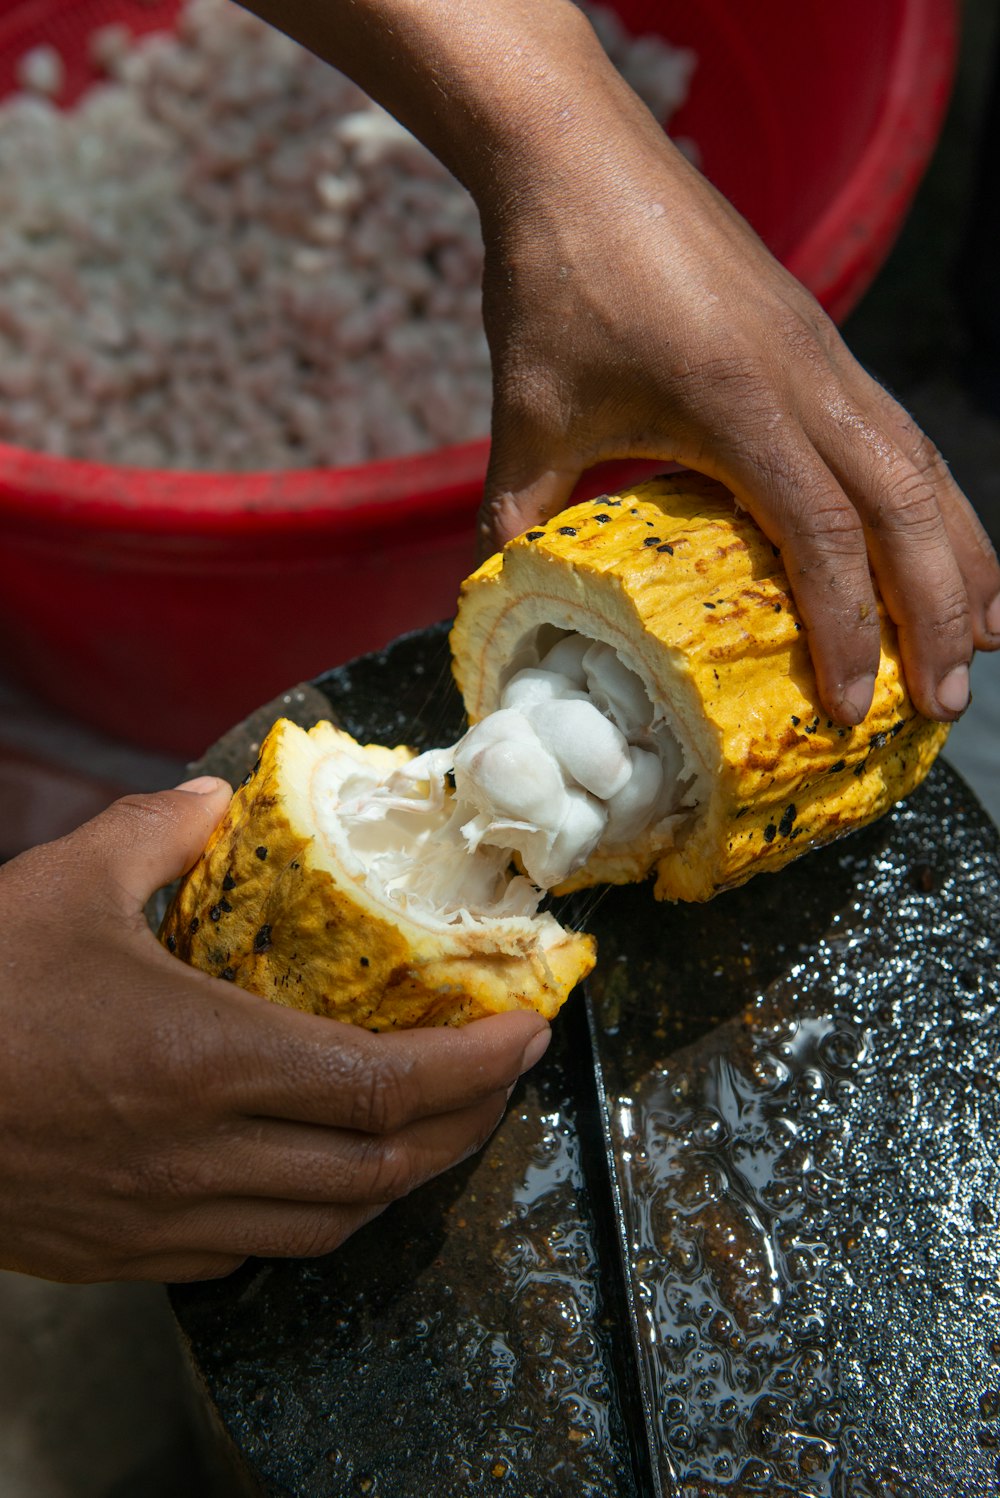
(632,312)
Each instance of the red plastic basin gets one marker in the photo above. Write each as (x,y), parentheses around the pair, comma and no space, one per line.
(161,607)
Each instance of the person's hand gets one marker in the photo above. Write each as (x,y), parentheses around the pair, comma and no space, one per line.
(159,1124)
(632,312)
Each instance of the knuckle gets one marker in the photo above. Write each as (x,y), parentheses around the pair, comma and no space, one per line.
(911,506)
(829,518)
(927,460)
(490,518)
(392,1172)
(168,1179)
(380,1095)
(142,815)
(806,332)
(825,530)
(161,1179)
(726,369)
(951,618)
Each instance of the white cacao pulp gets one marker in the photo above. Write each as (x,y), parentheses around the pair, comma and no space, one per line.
(570,762)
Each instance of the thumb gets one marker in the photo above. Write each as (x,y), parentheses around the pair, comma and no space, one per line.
(512,507)
(143,842)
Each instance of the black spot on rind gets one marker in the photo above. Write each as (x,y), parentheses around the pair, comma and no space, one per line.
(567,530)
(603,499)
(294,865)
(796,721)
(708,605)
(877,740)
(666,547)
(214,913)
(225,905)
(787,820)
(612,504)
(798,625)
(195,923)
(251,772)
(534,535)
(776,607)
(364,961)
(602,519)
(651,541)
(835,769)
(261,852)
(770,832)
(262,941)
(742,812)
(228,973)
(229,882)
(897,728)
(171,944)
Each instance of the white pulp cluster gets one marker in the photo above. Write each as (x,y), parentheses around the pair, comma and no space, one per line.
(567,763)
(571,760)
(226,257)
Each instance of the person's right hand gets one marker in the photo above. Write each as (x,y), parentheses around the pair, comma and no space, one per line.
(159,1124)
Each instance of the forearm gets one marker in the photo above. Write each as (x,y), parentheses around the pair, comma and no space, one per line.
(505,93)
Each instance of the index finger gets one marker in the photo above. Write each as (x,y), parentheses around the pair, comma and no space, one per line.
(305,1067)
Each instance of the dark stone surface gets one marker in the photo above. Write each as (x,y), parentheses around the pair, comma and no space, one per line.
(737,1233)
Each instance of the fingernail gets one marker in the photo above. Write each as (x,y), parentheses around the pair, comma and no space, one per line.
(857,698)
(993,616)
(953,690)
(535,1049)
(201,785)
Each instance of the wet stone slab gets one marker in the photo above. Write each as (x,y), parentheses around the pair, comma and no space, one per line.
(737,1233)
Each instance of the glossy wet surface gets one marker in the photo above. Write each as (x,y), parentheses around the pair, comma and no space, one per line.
(737,1233)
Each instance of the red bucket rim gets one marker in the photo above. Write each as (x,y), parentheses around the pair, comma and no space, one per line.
(836,259)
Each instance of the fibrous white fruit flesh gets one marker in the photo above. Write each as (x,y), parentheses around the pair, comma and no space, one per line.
(575,759)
